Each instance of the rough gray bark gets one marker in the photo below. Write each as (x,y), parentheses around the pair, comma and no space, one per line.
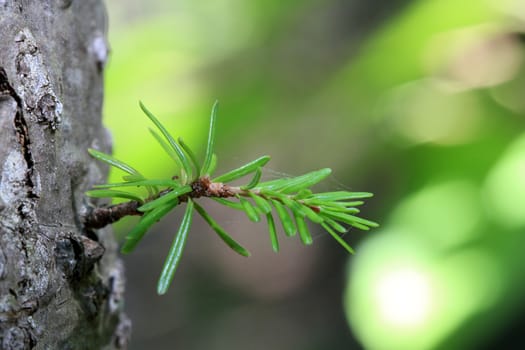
(60,285)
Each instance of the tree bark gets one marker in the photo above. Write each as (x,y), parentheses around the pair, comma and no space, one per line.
(61,286)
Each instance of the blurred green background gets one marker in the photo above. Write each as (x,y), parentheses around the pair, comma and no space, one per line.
(421,102)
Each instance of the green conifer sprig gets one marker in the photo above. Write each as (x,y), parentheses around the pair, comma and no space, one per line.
(289,199)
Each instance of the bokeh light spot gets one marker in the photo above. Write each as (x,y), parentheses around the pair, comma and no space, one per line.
(402,293)
(404,297)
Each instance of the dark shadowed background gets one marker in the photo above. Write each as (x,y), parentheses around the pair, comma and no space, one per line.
(421,102)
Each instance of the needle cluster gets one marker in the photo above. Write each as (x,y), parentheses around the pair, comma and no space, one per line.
(290,198)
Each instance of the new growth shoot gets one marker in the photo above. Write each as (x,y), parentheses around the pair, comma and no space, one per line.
(290,199)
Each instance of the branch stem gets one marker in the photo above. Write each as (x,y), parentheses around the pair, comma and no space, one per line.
(202,187)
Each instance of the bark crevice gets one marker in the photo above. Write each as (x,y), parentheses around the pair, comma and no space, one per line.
(22,133)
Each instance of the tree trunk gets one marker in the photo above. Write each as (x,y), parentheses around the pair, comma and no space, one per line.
(61,286)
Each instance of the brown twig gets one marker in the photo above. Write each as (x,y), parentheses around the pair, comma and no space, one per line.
(103,216)
(202,187)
